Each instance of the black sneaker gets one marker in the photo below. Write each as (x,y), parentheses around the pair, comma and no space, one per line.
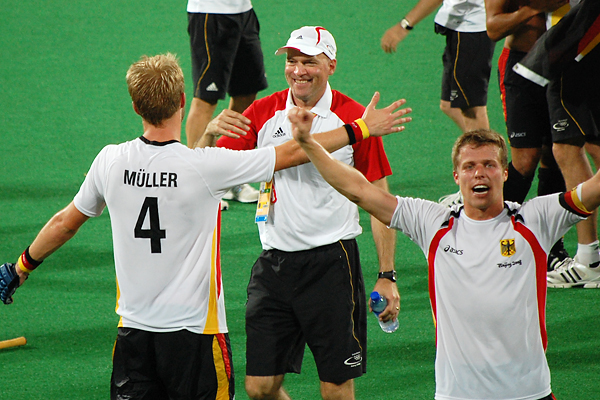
(557,255)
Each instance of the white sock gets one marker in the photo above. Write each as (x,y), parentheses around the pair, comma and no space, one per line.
(588,254)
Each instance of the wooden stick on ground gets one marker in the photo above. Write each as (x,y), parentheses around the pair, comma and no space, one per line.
(20,341)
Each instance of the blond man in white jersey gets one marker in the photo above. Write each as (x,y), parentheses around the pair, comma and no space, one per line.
(487,264)
(164,204)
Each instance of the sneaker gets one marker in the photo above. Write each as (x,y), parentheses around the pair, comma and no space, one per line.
(224,205)
(570,273)
(450,200)
(557,254)
(242,193)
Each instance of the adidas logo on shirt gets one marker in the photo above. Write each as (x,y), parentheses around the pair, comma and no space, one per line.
(279,133)
(212,88)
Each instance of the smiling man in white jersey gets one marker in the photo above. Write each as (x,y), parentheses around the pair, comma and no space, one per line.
(487,264)
(164,205)
(309,234)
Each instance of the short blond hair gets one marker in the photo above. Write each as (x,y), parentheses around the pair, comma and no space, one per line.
(156,85)
(478,138)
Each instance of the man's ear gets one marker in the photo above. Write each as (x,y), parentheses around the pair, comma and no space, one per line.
(332,66)
(182,100)
(135,108)
(455,174)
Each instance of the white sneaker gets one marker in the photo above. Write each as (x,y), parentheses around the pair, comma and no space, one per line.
(451,199)
(242,193)
(570,273)
(224,205)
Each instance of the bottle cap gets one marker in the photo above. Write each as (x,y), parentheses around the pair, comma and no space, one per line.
(375,296)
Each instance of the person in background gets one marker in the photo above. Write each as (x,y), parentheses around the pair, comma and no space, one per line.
(526,110)
(227,58)
(467,60)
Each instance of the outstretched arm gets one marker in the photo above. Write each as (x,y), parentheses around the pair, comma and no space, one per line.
(397,33)
(344,178)
(61,227)
(380,122)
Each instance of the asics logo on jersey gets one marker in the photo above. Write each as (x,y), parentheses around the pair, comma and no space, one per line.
(355,360)
(509,264)
(561,125)
(212,88)
(452,250)
(517,134)
(279,133)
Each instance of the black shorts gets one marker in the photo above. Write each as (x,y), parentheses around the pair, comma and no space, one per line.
(226,55)
(171,365)
(574,101)
(467,63)
(525,105)
(314,297)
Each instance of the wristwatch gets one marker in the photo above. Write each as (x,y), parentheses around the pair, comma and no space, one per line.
(405,24)
(391,275)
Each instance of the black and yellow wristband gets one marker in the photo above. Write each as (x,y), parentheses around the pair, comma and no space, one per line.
(357,131)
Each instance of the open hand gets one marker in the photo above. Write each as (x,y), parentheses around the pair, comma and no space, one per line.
(385,121)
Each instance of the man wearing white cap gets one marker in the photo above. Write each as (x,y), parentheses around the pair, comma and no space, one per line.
(307,286)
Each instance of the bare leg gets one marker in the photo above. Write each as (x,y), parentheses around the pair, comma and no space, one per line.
(266,388)
(455,114)
(467,119)
(240,103)
(201,113)
(476,118)
(332,391)
(525,160)
(576,169)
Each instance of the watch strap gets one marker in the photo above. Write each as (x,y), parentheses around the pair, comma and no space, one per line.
(391,275)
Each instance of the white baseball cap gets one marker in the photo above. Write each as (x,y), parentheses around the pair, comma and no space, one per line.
(311,40)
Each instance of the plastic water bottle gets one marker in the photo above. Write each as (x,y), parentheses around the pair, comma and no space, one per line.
(378,304)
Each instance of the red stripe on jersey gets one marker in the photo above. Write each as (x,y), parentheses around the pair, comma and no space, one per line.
(433,247)
(225,353)
(540,257)
(502,61)
(590,36)
(369,155)
(259,112)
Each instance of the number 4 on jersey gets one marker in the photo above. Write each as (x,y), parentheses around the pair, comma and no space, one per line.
(155,234)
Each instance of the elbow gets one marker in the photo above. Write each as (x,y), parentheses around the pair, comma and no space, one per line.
(493,31)
(494,35)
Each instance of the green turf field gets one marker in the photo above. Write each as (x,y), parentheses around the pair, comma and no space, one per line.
(63,97)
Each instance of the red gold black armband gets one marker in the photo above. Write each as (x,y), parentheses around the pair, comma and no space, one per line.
(357,131)
(26,263)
